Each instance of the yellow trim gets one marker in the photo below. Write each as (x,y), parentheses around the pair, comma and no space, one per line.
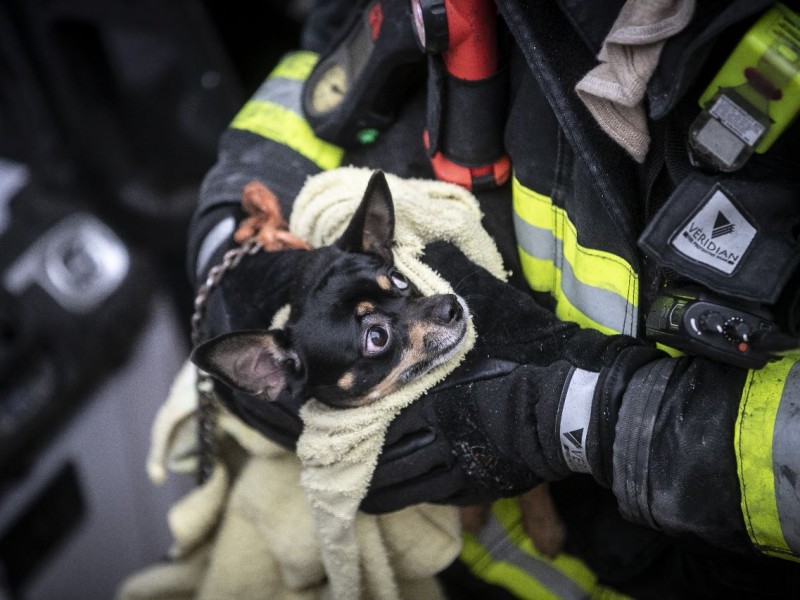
(769,46)
(592,267)
(281,125)
(536,270)
(500,573)
(519,582)
(755,423)
(296,65)
(669,350)
(507,512)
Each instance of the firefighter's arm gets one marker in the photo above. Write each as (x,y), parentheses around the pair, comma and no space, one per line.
(709,450)
(268,145)
(689,446)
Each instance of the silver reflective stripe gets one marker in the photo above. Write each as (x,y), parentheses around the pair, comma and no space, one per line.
(283,92)
(576,410)
(494,539)
(214,238)
(786,459)
(602,306)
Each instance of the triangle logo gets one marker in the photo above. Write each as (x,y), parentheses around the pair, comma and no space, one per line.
(722,226)
(575,437)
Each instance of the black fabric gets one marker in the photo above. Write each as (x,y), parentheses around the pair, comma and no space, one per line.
(592,20)
(323,23)
(647,565)
(736,237)
(474,116)
(692,457)
(245,157)
(536,25)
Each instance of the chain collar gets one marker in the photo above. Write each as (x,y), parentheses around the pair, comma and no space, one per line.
(206,394)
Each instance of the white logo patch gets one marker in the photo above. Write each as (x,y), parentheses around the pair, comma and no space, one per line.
(717,235)
(576,413)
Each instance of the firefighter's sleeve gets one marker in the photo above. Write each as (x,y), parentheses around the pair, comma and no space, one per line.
(269,141)
(704,449)
(690,446)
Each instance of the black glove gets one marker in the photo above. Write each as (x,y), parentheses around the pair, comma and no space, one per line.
(491,429)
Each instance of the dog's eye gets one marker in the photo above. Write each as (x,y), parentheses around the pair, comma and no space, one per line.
(376,339)
(399,280)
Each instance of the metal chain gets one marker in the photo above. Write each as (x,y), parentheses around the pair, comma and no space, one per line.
(206,394)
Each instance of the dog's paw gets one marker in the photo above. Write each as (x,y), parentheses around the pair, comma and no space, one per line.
(541,521)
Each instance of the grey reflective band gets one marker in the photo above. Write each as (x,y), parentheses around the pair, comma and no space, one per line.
(282,91)
(602,306)
(494,539)
(573,421)
(634,435)
(786,458)
(221,232)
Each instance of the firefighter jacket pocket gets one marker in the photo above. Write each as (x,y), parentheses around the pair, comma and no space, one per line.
(736,237)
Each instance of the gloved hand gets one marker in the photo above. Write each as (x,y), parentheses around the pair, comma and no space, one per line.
(492,428)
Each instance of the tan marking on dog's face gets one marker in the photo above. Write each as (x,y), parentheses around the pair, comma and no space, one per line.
(365,308)
(346,381)
(413,354)
(384,282)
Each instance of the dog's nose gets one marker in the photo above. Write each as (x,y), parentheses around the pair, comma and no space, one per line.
(448,310)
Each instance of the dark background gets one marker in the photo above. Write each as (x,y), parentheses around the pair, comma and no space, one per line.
(110,110)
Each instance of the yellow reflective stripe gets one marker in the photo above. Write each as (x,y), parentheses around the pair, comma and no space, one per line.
(507,557)
(669,350)
(508,513)
(274,112)
(283,126)
(756,423)
(501,573)
(296,65)
(536,270)
(606,593)
(592,267)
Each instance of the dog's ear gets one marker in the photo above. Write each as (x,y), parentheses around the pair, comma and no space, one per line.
(371,229)
(255,362)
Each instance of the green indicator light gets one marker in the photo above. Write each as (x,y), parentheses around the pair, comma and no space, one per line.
(367,136)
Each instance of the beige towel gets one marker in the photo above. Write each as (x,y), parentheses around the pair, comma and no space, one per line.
(614,90)
(249,533)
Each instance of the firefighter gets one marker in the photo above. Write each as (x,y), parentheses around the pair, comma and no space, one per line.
(661,217)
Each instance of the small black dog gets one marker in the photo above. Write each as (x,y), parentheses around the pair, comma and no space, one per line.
(358,329)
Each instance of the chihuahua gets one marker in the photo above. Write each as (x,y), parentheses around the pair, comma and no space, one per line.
(358,329)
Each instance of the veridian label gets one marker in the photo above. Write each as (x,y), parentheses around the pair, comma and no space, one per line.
(717,235)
